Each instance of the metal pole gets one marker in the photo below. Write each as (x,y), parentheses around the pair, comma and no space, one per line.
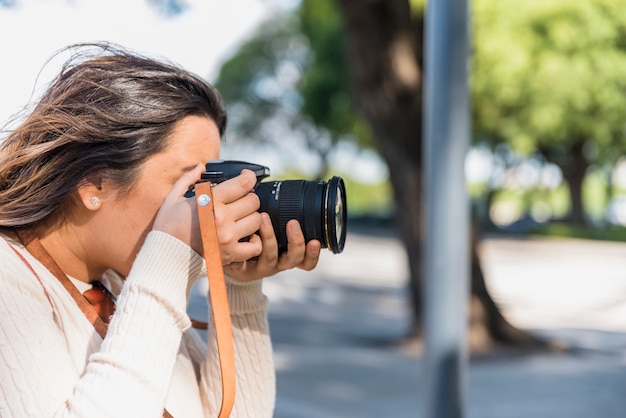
(446,251)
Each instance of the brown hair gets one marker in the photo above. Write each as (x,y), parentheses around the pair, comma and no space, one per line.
(104,114)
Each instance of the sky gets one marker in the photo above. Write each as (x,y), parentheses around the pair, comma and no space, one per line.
(198,39)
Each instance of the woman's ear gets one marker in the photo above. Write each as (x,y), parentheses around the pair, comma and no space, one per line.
(90,192)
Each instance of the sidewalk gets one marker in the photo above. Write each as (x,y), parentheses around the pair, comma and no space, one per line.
(332,330)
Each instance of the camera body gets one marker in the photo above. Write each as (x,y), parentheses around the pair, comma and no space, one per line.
(319,206)
(218,171)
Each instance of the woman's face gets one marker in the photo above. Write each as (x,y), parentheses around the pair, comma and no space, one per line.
(125,221)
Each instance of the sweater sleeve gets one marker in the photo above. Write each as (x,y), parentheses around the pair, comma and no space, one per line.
(129,376)
(255,374)
(134,365)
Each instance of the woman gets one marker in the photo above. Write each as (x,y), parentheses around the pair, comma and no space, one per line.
(95,176)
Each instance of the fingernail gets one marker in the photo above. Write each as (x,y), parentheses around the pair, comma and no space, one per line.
(266,219)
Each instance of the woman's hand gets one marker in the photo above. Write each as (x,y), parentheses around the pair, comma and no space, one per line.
(299,254)
(236,215)
(177,215)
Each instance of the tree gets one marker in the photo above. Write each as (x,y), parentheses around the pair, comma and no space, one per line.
(274,81)
(258,84)
(377,45)
(385,50)
(548,77)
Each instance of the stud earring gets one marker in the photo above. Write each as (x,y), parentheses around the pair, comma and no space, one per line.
(95,201)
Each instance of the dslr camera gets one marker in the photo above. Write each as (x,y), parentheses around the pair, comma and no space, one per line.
(319,206)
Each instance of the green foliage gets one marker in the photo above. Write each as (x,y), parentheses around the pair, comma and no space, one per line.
(595,194)
(325,83)
(290,81)
(258,81)
(309,44)
(369,199)
(325,80)
(563,230)
(557,200)
(550,72)
(417,6)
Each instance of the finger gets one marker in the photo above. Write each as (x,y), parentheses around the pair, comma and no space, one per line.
(295,247)
(182,184)
(231,231)
(242,251)
(266,263)
(240,208)
(312,255)
(247,250)
(269,256)
(233,189)
(247,225)
(177,215)
(178,190)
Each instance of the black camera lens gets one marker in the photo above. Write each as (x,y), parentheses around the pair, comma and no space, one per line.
(319,206)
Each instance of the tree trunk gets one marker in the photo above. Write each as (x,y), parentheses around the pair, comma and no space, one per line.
(573,165)
(487,326)
(384,49)
(384,46)
(574,175)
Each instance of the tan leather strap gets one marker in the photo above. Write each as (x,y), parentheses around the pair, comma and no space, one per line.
(33,245)
(217,292)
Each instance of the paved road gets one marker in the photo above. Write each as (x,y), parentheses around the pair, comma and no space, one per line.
(334,332)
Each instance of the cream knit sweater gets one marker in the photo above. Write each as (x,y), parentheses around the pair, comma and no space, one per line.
(54,364)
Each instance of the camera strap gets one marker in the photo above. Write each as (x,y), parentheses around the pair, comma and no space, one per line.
(217,293)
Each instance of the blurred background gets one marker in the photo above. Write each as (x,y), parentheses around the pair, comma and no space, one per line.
(317,88)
